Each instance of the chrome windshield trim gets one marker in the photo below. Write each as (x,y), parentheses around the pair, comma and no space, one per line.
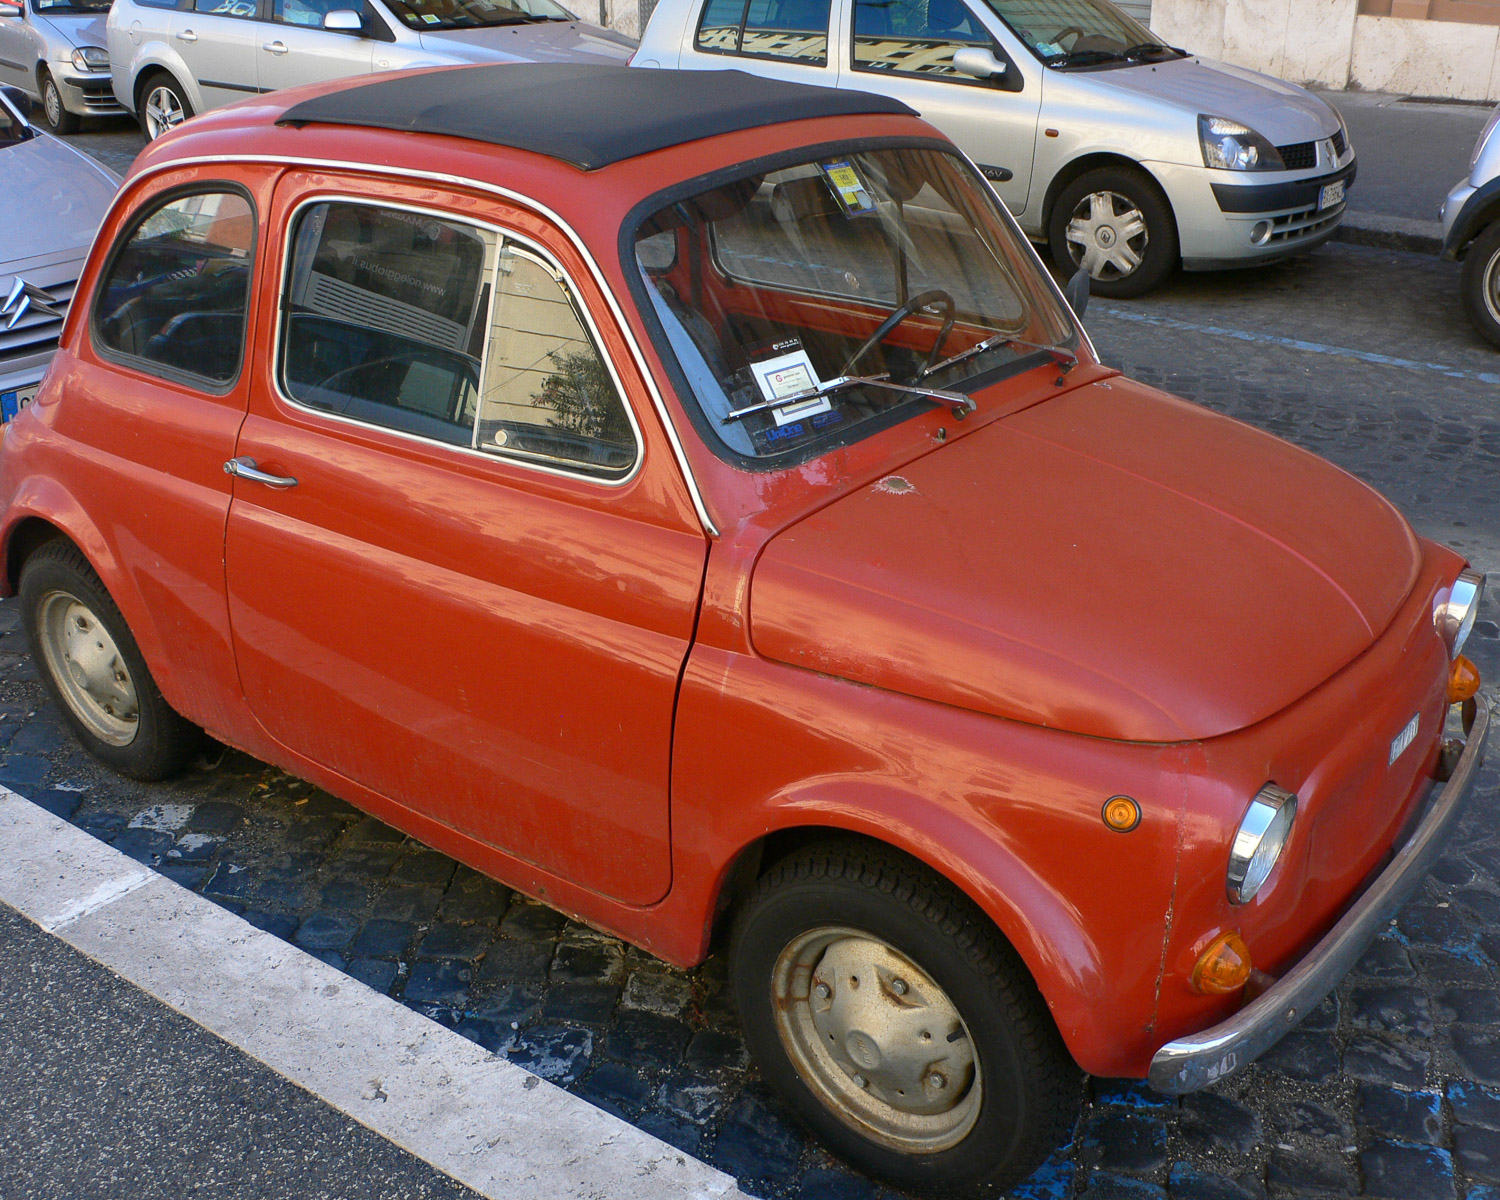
(1190,1063)
(504,193)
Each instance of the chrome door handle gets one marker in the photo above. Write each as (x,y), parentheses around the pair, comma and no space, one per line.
(245,468)
(276,48)
(187,35)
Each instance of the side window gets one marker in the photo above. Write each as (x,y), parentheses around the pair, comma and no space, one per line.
(226,8)
(384,318)
(914,37)
(786,29)
(548,396)
(308,13)
(176,292)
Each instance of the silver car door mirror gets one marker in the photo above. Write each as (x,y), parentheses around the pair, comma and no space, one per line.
(1077,292)
(979,62)
(344,20)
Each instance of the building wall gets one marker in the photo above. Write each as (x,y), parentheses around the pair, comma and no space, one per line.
(1340,43)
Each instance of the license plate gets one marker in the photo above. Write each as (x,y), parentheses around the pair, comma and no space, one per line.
(1331,194)
(13,401)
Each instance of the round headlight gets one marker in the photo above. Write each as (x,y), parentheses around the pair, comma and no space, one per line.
(1259,840)
(1455,609)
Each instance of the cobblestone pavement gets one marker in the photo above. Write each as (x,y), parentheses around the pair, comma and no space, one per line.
(1391,1089)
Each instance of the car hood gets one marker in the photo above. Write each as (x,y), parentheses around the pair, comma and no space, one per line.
(1281,112)
(79,30)
(1113,562)
(55,196)
(551,41)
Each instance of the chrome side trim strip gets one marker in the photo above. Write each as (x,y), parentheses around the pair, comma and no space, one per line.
(515,198)
(1190,1063)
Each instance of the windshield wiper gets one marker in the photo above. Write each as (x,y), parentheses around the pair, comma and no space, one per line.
(961,405)
(1144,48)
(1078,58)
(1060,354)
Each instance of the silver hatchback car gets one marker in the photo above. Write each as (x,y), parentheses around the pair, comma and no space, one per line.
(174,58)
(54,49)
(1126,155)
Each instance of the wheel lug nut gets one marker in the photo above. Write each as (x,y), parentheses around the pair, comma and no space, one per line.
(860,1081)
(939,1082)
(898,986)
(822,991)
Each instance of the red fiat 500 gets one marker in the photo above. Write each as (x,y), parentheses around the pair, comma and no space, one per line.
(710,525)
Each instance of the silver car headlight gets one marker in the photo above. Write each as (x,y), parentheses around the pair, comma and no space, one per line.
(91,58)
(1259,841)
(1230,146)
(1455,608)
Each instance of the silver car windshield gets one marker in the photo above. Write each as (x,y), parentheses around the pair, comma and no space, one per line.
(1079,32)
(814,304)
(428,15)
(63,7)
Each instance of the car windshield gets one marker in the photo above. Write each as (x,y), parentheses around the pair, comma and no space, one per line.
(474,14)
(11,130)
(70,6)
(1076,33)
(814,304)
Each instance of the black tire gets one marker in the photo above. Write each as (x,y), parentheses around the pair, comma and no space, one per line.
(1480,284)
(147,104)
(161,743)
(1030,1089)
(1126,192)
(58,118)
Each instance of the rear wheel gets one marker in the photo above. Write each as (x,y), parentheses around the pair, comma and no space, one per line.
(58,117)
(898,1023)
(1481,284)
(164,106)
(1116,224)
(92,667)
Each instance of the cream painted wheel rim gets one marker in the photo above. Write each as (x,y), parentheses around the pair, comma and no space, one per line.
(876,1040)
(89,669)
(1107,235)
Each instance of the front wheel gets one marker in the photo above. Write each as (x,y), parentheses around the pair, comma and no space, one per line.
(164,106)
(58,117)
(898,1023)
(1481,284)
(92,667)
(1116,224)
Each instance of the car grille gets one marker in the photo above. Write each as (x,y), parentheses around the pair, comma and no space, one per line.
(1300,156)
(35,332)
(99,97)
(1339,143)
(1302,224)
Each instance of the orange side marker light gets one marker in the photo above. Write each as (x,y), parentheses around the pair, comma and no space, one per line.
(1463,680)
(1223,967)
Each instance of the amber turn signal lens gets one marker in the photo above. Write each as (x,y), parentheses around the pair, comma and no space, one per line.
(1121,813)
(1463,680)
(1223,967)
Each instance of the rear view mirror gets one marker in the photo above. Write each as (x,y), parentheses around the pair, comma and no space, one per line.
(979,62)
(1077,292)
(18,100)
(342,20)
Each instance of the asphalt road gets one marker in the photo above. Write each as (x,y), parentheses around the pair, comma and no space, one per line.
(1391,1089)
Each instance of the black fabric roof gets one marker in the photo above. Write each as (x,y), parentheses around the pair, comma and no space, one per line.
(586,115)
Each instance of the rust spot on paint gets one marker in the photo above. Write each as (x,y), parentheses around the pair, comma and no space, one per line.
(895,485)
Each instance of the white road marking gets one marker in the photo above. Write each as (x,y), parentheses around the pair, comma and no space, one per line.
(488,1123)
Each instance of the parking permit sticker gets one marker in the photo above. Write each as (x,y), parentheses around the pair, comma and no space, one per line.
(786,375)
(848,187)
(430,19)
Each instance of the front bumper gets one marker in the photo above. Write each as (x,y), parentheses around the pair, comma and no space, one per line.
(1195,1062)
(90,95)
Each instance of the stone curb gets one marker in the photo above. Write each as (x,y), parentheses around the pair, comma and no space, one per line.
(486,1122)
(1391,233)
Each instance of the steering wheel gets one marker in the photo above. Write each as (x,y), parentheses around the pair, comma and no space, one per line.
(883,330)
(1064,31)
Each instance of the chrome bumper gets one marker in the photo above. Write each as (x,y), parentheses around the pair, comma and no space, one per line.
(1195,1062)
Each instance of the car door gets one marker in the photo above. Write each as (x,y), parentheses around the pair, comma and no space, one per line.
(478,595)
(218,42)
(16,54)
(296,49)
(905,48)
(780,39)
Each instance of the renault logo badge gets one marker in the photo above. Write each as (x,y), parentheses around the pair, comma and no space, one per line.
(26,297)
